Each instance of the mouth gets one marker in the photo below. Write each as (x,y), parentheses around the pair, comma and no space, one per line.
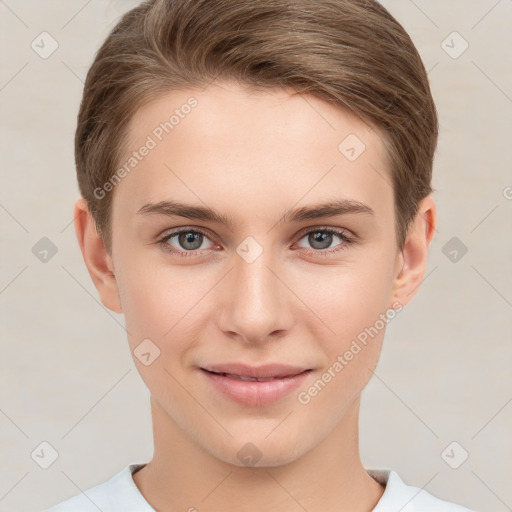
(246,378)
(255,386)
(261,373)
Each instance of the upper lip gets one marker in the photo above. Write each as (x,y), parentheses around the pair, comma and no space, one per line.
(267,370)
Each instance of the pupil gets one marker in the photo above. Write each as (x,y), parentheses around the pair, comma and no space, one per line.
(321,238)
(195,239)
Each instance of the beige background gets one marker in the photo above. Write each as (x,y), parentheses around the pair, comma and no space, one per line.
(67,377)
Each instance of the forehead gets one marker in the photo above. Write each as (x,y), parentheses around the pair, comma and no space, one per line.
(241,142)
(221,106)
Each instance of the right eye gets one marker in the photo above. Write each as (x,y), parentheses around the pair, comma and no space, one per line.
(187,242)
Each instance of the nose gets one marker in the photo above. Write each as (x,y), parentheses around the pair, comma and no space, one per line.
(256,305)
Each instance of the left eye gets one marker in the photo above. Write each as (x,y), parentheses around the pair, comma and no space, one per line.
(322,239)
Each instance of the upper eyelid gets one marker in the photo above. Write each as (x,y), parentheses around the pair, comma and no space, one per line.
(177,231)
(338,230)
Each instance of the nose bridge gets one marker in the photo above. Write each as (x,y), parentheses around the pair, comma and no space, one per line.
(256,305)
(258,283)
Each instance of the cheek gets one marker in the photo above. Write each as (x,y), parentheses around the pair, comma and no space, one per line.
(355,309)
(155,300)
(341,382)
(347,299)
(157,304)
(352,303)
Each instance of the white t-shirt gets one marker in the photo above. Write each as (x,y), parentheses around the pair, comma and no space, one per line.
(120,494)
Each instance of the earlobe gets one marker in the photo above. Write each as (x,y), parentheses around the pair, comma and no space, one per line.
(99,263)
(415,252)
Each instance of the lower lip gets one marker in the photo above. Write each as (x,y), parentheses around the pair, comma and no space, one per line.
(254,393)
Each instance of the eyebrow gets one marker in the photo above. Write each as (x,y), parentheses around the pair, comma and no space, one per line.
(315,211)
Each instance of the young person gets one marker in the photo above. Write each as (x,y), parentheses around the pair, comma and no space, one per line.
(256,195)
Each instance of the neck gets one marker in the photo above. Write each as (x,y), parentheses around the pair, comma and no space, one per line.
(330,476)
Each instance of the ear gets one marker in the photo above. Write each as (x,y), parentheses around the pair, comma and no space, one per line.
(96,258)
(412,261)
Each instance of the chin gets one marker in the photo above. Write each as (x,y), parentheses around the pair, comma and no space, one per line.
(262,453)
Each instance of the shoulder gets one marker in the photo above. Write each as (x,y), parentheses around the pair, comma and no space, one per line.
(406,498)
(92,499)
(118,494)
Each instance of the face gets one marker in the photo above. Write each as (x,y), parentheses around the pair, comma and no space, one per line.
(271,279)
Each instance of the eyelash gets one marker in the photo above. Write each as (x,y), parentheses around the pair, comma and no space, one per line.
(346,241)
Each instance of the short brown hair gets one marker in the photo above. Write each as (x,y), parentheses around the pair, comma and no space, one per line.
(351,53)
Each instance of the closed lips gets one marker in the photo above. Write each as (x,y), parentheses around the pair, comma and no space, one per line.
(250,379)
(254,386)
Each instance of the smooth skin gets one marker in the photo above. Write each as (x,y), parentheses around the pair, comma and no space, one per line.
(252,155)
